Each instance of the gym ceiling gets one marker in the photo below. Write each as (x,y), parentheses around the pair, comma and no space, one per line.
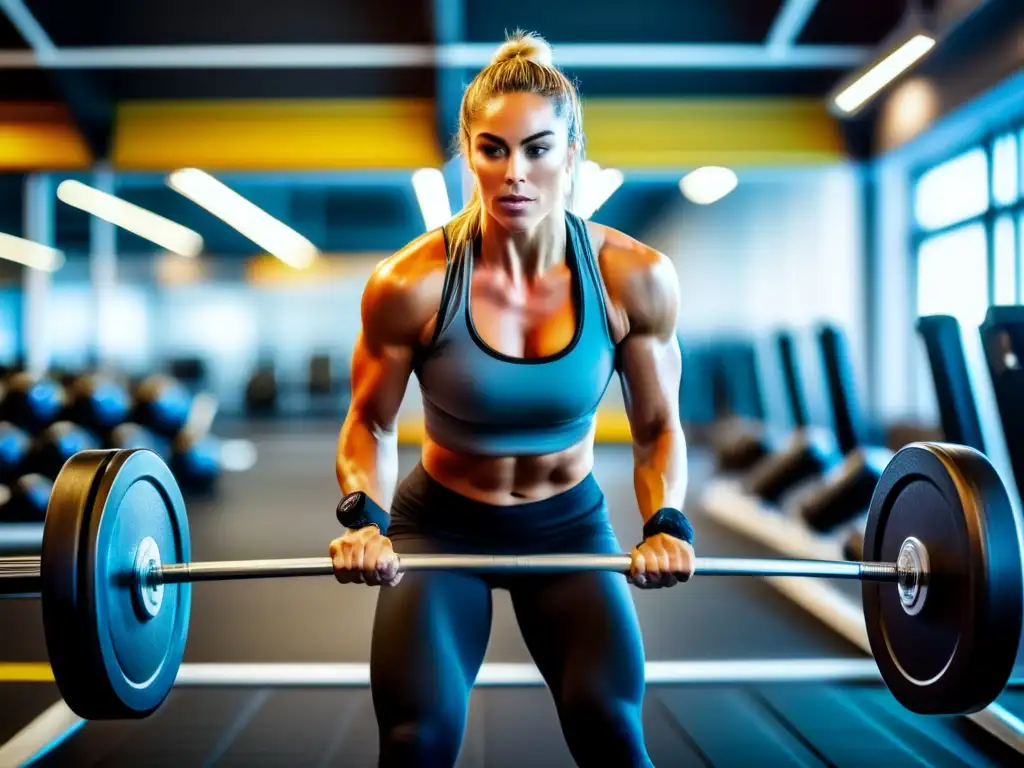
(318,110)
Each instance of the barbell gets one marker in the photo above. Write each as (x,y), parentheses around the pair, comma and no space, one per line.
(941,581)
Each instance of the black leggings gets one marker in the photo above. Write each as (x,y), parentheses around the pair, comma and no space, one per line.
(431,631)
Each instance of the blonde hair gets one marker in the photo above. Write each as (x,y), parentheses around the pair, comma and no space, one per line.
(522,64)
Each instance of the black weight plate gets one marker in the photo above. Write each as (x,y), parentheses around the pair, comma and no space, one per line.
(110,658)
(955,655)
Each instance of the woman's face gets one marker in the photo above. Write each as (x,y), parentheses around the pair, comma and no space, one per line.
(520,156)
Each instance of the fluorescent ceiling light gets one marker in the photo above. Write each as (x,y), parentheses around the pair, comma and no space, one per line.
(708,184)
(432,195)
(128,216)
(273,236)
(29,253)
(855,95)
(596,186)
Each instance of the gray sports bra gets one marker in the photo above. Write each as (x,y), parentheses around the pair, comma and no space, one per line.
(479,401)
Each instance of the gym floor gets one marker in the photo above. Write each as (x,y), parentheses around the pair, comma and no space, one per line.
(283,507)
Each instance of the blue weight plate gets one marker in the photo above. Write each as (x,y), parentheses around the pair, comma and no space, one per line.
(954,652)
(112,658)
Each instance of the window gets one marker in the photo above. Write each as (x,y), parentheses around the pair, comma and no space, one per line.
(1020,155)
(1004,278)
(968,229)
(952,192)
(1005,170)
(1020,257)
(952,275)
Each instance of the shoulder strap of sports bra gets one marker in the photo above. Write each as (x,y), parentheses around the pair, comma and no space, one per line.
(589,271)
(586,259)
(451,292)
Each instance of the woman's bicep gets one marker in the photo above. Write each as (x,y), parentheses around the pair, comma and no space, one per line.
(650,372)
(381,370)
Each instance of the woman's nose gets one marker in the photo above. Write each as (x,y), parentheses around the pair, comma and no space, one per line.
(515,168)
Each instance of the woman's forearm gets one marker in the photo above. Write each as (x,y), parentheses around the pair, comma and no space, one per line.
(367,461)
(660,472)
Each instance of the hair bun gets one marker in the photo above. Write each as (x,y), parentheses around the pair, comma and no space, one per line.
(524,45)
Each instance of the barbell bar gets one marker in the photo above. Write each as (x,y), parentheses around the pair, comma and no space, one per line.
(28,571)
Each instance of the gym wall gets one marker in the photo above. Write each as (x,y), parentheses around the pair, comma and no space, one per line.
(228,323)
(783,249)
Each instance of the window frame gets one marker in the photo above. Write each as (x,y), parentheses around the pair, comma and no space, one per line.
(919,235)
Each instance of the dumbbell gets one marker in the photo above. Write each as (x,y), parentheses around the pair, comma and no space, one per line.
(162,404)
(195,452)
(26,500)
(15,445)
(97,402)
(196,462)
(32,403)
(56,444)
(845,490)
(754,449)
(261,391)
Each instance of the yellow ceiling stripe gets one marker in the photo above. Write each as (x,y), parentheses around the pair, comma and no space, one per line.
(668,133)
(367,134)
(40,136)
(277,135)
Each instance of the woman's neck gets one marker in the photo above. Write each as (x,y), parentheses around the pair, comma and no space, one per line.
(526,254)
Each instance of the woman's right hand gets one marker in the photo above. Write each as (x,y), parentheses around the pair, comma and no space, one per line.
(365,556)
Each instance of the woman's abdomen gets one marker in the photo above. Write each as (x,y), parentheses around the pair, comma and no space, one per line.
(509,480)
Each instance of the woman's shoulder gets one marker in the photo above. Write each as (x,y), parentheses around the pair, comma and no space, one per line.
(640,280)
(406,287)
(416,260)
(616,248)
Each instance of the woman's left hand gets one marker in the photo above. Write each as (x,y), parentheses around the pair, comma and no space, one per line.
(661,561)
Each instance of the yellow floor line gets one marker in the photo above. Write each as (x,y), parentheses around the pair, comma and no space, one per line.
(25,672)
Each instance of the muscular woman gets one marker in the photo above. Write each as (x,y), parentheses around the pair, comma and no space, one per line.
(514,317)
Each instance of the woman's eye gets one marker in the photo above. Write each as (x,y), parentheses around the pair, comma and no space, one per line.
(492,151)
(536,151)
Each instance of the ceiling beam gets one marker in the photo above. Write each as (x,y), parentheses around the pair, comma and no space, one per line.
(92,111)
(789,23)
(28,27)
(456,56)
